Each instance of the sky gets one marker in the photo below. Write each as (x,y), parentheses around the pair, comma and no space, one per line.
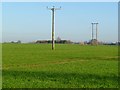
(31,21)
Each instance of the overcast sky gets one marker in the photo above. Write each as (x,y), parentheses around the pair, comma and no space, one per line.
(28,22)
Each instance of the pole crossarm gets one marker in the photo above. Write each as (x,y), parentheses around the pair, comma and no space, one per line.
(53,8)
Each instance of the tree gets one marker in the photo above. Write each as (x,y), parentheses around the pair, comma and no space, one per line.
(18,41)
(58,39)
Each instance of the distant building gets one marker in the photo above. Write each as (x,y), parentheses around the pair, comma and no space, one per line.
(16,41)
(82,43)
(56,41)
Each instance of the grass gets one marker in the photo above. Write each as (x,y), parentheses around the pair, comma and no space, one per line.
(0,65)
(68,66)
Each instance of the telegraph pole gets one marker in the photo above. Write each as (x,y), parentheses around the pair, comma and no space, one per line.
(53,26)
(92,30)
(94,40)
(96,30)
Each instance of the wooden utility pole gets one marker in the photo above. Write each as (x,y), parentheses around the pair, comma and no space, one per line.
(94,40)
(53,27)
(96,30)
(92,30)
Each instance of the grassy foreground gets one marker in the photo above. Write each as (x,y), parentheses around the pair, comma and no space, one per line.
(0,66)
(69,66)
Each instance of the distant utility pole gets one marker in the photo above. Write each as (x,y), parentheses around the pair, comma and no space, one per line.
(94,40)
(92,30)
(95,30)
(53,16)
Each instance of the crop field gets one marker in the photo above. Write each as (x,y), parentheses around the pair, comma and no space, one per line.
(68,66)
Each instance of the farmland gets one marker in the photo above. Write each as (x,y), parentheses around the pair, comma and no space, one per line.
(0,65)
(68,66)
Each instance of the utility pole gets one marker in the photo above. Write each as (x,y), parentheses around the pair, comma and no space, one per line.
(94,36)
(53,27)
(96,30)
(92,30)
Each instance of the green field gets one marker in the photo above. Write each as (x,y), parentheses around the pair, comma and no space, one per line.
(0,65)
(68,66)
